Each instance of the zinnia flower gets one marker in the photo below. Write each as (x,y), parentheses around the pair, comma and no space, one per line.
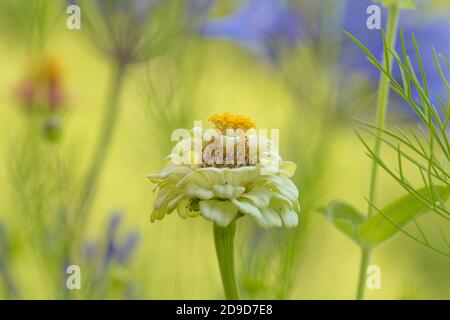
(222,191)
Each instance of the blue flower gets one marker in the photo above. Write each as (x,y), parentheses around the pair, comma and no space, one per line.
(430,29)
(112,249)
(262,26)
(199,7)
(105,258)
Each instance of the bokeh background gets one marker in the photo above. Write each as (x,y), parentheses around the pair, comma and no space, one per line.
(286,64)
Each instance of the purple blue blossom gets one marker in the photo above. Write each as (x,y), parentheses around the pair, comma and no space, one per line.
(113,249)
(262,26)
(430,29)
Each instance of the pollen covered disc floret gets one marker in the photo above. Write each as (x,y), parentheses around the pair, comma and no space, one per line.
(221,193)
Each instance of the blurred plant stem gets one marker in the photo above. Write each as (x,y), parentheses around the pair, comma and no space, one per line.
(224,242)
(382,105)
(101,150)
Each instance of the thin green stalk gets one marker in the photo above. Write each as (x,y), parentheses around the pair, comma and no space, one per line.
(101,150)
(224,241)
(382,105)
(365,259)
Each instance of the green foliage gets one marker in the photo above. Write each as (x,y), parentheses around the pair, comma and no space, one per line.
(402,4)
(29,22)
(346,218)
(386,223)
(133,34)
(427,149)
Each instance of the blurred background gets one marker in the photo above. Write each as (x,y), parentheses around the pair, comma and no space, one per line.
(86,114)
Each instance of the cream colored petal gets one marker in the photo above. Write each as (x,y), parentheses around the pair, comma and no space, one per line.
(162,198)
(162,184)
(185,180)
(240,176)
(227,191)
(280,201)
(184,211)
(173,203)
(158,214)
(289,217)
(288,168)
(194,191)
(238,191)
(224,191)
(247,208)
(282,185)
(155,178)
(271,218)
(207,177)
(174,172)
(221,212)
(260,196)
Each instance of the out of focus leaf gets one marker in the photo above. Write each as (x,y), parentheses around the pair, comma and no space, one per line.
(402,4)
(385,224)
(345,217)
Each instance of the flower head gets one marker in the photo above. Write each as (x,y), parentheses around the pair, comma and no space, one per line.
(105,258)
(229,186)
(112,249)
(42,87)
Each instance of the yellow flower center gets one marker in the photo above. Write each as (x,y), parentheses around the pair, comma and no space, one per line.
(229,121)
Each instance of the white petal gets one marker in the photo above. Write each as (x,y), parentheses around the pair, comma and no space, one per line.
(184,210)
(290,218)
(227,191)
(224,191)
(240,176)
(193,190)
(288,168)
(283,185)
(237,191)
(161,198)
(260,196)
(271,217)
(247,208)
(280,201)
(173,203)
(158,214)
(154,178)
(221,212)
(207,177)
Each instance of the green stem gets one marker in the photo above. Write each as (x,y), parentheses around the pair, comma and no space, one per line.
(382,105)
(101,150)
(224,241)
(365,259)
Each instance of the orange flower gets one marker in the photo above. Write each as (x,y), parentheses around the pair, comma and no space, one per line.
(42,88)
